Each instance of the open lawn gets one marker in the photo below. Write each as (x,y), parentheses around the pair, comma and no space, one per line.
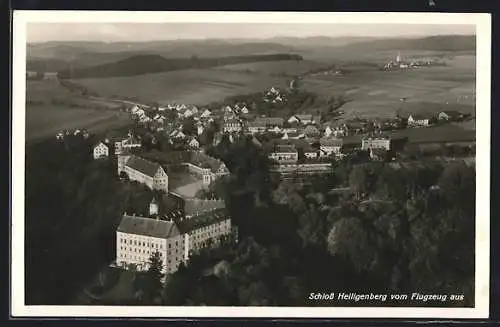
(375,93)
(51,107)
(193,86)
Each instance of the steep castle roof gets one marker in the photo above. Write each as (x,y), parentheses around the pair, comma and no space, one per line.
(147,227)
(144,166)
(203,220)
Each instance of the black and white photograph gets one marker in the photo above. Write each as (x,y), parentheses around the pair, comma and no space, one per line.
(258,164)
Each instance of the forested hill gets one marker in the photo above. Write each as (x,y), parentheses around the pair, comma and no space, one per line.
(145,64)
(431,43)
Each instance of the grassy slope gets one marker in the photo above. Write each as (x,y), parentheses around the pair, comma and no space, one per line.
(288,67)
(70,112)
(195,86)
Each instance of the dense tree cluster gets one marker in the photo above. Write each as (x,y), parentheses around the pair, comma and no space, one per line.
(393,229)
(73,206)
(388,227)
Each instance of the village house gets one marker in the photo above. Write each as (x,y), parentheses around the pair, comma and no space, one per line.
(177,134)
(328,131)
(206,113)
(271,122)
(415,120)
(101,150)
(310,152)
(186,113)
(284,153)
(143,171)
(193,143)
(311,131)
(339,131)
(450,115)
(330,146)
(293,136)
(376,142)
(301,119)
(263,124)
(232,125)
(255,127)
(127,144)
(304,119)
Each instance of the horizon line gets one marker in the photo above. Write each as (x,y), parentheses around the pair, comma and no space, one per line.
(252,38)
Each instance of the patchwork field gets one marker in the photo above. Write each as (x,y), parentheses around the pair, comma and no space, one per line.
(374,93)
(51,107)
(193,86)
(287,67)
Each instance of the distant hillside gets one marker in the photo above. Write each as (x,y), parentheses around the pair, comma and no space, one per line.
(85,53)
(144,64)
(320,41)
(431,43)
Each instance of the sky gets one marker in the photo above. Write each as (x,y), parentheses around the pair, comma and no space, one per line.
(135,32)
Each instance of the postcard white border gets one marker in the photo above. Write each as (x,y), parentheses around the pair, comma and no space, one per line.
(483,93)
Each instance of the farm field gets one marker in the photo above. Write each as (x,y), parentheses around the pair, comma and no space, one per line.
(374,93)
(439,134)
(193,86)
(51,107)
(285,67)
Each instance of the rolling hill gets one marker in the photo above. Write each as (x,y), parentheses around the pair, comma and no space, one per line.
(60,55)
(430,43)
(144,64)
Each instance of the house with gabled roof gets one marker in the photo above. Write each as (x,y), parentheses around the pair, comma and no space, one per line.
(419,120)
(303,119)
(330,146)
(284,153)
(194,143)
(143,171)
(293,136)
(206,113)
(311,131)
(450,115)
(100,151)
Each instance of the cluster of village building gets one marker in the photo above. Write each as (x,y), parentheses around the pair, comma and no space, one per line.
(399,63)
(300,145)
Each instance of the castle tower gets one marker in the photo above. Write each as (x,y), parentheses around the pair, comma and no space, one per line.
(153,207)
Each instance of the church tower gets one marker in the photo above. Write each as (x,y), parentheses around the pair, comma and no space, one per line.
(153,208)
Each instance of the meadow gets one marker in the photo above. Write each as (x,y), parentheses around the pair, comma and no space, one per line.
(283,68)
(192,86)
(374,93)
(51,108)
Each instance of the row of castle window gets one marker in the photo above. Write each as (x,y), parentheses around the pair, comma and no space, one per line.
(142,243)
(124,248)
